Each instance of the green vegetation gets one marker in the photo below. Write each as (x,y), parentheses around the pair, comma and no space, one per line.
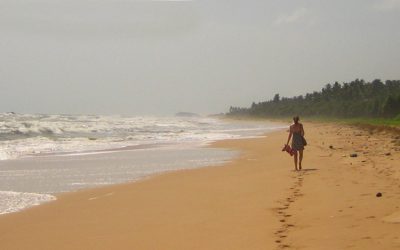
(373,102)
(357,121)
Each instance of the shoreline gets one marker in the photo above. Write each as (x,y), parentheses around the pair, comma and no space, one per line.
(254,202)
(83,170)
(79,172)
(151,196)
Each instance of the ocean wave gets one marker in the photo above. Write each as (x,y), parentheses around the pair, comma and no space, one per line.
(26,135)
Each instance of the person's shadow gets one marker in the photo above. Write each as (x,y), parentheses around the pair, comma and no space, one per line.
(309,169)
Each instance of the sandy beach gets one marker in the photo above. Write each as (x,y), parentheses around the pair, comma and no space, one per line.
(255,201)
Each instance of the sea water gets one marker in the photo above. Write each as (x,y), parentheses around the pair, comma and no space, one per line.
(42,155)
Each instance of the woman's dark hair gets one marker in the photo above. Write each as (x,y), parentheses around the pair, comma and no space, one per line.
(296,119)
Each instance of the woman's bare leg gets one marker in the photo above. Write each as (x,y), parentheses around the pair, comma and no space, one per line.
(295,159)
(300,158)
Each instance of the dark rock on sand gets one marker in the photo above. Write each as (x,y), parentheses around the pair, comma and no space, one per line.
(379,194)
(353,155)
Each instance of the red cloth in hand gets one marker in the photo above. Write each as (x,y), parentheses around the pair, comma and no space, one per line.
(288,149)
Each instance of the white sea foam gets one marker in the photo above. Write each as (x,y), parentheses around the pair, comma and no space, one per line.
(24,135)
(16,201)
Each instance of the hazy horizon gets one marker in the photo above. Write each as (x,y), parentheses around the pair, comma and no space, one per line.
(162,57)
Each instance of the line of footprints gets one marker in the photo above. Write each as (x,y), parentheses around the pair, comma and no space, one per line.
(282,211)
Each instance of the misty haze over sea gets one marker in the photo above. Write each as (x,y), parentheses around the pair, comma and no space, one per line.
(158,57)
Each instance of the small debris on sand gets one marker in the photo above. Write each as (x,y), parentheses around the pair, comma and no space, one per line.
(379,194)
(353,155)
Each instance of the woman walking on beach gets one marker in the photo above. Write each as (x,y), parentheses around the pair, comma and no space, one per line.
(296,131)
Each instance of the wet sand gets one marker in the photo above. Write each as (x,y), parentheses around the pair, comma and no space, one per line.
(256,201)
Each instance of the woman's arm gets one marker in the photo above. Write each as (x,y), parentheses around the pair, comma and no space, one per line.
(302,130)
(290,135)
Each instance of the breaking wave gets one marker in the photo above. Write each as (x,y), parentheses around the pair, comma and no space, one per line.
(26,135)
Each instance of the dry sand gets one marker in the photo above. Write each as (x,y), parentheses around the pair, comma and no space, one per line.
(256,201)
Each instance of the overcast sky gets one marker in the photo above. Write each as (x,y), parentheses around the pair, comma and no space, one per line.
(161,57)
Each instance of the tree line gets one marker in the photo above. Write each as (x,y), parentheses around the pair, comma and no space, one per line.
(358,98)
